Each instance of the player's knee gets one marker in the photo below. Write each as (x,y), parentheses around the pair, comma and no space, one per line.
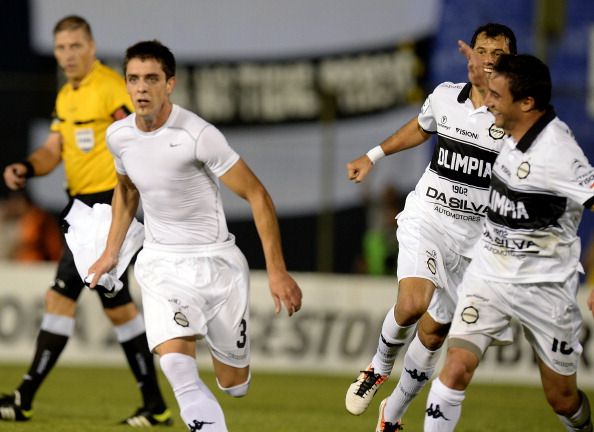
(564,403)
(409,311)
(59,304)
(121,314)
(238,390)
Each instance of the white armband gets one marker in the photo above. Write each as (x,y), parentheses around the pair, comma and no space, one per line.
(375,154)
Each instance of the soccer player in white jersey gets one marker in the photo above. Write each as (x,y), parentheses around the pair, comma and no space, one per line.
(526,262)
(440,223)
(194,280)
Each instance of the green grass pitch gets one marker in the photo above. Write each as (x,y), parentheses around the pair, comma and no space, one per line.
(75,399)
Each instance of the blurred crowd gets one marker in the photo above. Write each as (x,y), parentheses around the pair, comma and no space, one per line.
(27,232)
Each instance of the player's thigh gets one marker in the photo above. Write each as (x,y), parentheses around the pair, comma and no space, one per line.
(230,376)
(431,333)
(414,297)
(483,312)
(228,335)
(561,391)
(551,319)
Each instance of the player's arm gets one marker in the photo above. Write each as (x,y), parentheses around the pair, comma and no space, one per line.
(124,205)
(408,136)
(243,182)
(39,163)
(477,75)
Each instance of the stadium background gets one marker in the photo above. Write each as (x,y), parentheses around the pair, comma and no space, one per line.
(299,88)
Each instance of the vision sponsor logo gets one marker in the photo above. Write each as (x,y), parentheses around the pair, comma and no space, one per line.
(504,206)
(466,133)
(456,203)
(463,163)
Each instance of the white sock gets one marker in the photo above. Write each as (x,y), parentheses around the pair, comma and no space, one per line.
(581,419)
(198,406)
(444,406)
(392,338)
(419,365)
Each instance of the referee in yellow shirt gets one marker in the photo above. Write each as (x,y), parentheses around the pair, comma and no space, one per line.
(93,97)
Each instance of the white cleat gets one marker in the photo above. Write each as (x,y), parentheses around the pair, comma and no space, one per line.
(362,390)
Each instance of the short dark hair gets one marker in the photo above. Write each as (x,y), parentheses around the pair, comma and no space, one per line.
(73,22)
(152,50)
(527,77)
(492,30)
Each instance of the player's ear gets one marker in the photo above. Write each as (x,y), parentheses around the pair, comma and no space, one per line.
(171,82)
(528,104)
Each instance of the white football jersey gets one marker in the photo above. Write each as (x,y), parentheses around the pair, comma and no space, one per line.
(539,189)
(453,190)
(176,170)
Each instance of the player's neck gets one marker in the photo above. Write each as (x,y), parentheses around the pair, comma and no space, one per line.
(524,124)
(477,96)
(149,123)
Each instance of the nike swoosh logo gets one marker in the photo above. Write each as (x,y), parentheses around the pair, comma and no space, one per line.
(174,144)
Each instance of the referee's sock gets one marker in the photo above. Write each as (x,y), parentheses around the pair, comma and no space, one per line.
(52,338)
(132,338)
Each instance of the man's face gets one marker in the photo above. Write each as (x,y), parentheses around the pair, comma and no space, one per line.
(148,87)
(75,53)
(489,49)
(500,102)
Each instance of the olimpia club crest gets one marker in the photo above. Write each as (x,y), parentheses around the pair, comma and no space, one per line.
(496,132)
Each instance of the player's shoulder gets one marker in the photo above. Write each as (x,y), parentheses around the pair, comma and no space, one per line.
(189,121)
(120,126)
(450,87)
(106,76)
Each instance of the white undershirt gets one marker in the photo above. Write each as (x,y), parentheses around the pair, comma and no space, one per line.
(176,170)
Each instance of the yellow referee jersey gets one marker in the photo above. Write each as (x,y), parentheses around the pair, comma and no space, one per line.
(81,117)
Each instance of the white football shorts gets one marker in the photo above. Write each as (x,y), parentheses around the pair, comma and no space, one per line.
(548,313)
(200,291)
(423,253)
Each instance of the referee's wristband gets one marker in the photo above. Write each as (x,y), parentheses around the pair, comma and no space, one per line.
(375,154)
(29,170)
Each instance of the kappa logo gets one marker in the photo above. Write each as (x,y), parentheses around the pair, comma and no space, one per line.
(496,132)
(414,374)
(180,319)
(470,315)
(198,425)
(435,412)
(523,170)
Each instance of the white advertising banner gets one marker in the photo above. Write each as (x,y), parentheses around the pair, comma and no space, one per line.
(335,332)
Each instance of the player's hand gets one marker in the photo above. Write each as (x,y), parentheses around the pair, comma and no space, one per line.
(14,176)
(591,302)
(103,265)
(358,169)
(285,291)
(478,71)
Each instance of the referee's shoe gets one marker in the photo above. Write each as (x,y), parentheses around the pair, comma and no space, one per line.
(143,417)
(11,409)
